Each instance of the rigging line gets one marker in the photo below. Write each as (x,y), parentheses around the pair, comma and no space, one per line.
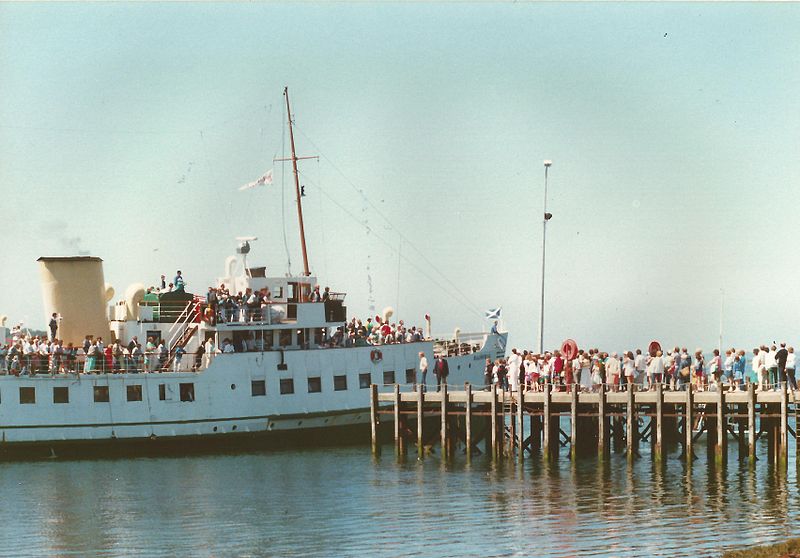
(386,220)
(391,248)
(464,301)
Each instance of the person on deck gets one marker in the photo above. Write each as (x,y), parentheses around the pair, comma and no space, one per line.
(178,282)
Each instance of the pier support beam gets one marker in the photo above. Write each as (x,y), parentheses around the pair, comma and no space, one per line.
(688,425)
(721,450)
(631,426)
(373,417)
(659,446)
(521,424)
(751,422)
(468,419)
(784,427)
(547,429)
(444,419)
(493,412)
(398,446)
(602,424)
(573,437)
(420,422)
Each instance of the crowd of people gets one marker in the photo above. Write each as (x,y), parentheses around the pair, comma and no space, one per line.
(376,332)
(768,367)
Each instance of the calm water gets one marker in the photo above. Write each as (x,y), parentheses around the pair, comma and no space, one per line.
(342,502)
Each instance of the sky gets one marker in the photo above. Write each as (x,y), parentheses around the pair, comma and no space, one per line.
(674,131)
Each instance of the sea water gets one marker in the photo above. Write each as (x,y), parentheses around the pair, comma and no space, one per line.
(343,502)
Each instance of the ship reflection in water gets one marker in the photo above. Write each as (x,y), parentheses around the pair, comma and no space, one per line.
(342,502)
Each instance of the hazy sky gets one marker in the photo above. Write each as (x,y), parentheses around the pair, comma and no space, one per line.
(126,129)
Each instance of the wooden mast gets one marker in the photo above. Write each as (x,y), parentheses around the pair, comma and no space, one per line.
(294,158)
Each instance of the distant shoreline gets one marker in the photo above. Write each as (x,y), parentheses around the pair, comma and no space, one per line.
(788,549)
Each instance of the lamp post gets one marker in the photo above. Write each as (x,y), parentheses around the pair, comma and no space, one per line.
(547,216)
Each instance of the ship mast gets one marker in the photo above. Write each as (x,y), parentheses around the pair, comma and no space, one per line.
(294,158)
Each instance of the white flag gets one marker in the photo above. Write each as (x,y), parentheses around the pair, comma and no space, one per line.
(264,180)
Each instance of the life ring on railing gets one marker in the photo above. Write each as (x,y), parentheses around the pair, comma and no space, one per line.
(375,356)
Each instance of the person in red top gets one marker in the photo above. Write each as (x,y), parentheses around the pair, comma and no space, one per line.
(558,367)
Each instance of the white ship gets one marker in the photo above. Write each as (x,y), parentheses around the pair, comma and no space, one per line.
(289,380)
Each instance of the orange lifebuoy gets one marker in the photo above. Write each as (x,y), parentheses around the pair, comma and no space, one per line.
(376,355)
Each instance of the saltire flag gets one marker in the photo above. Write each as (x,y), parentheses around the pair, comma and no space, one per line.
(493,314)
(263,181)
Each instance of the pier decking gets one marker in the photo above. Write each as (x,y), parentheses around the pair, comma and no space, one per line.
(597,421)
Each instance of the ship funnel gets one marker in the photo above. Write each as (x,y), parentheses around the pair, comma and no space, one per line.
(74,288)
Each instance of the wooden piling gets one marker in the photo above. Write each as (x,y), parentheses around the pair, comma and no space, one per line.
(493,412)
(397,444)
(688,431)
(721,449)
(420,405)
(520,424)
(659,421)
(468,419)
(784,427)
(631,426)
(573,444)
(751,422)
(602,423)
(373,417)
(546,429)
(444,419)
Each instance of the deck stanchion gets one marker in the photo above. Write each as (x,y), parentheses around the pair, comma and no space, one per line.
(493,412)
(688,424)
(468,419)
(373,417)
(659,421)
(602,423)
(722,432)
(751,422)
(420,403)
(546,430)
(444,419)
(573,444)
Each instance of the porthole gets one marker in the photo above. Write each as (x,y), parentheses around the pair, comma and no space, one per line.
(233,386)
(234,427)
(215,429)
(299,422)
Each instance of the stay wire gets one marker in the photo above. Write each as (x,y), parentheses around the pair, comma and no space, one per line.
(399,232)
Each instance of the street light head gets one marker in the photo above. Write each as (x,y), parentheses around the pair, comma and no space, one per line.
(547,162)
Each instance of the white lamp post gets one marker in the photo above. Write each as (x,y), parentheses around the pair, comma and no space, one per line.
(547,217)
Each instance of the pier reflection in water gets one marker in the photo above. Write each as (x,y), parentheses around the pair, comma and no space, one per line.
(343,502)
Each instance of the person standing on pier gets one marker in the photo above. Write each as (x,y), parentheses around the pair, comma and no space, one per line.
(612,371)
(790,368)
(771,365)
(441,370)
(487,373)
(640,363)
(423,371)
(514,362)
(780,358)
(758,369)
(629,367)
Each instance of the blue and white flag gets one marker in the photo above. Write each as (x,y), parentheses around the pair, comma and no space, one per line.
(493,314)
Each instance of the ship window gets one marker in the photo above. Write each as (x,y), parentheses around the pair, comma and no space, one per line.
(162,392)
(101,394)
(411,375)
(287,386)
(60,395)
(340,383)
(258,388)
(388,378)
(269,339)
(187,392)
(134,393)
(301,337)
(314,385)
(285,337)
(364,380)
(27,395)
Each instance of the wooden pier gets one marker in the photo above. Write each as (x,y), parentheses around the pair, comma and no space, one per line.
(599,422)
